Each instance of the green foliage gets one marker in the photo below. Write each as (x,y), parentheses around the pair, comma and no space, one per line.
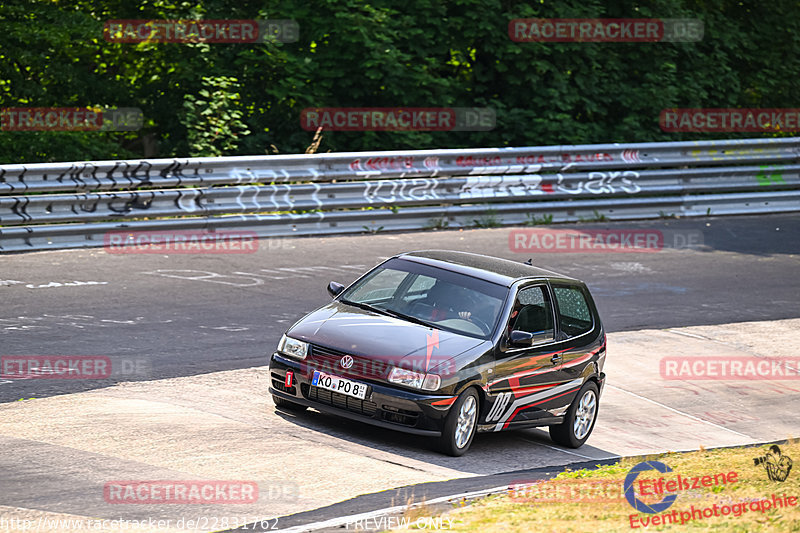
(487,220)
(597,216)
(213,121)
(438,223)
(240,99)
(533,220)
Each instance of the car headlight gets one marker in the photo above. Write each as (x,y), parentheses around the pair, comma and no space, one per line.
(293,348)
(417,380)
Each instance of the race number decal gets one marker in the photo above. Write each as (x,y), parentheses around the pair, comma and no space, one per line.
(499,406)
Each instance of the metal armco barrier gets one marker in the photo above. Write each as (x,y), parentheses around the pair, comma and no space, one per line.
(70,205)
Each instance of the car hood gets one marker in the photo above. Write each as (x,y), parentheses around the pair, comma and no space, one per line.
(367,334)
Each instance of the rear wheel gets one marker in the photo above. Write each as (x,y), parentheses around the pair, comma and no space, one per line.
(579,421)
(281,403)
(460,424)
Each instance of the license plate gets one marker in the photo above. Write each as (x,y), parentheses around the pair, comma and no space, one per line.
(340,385)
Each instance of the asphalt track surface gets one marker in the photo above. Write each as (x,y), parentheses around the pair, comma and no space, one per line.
(179,317)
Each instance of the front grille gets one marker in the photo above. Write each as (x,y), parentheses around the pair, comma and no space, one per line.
(328,360)
(342,401)
(323,352)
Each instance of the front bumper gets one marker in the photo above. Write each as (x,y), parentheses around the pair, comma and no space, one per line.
(384,406)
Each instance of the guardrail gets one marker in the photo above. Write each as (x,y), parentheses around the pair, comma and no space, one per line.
(69,205)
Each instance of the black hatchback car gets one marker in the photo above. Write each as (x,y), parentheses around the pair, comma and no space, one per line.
(445,344)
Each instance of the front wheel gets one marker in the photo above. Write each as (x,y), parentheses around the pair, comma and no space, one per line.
(460,424)
(579,421)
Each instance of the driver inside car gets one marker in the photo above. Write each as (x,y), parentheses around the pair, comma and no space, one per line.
(449,301)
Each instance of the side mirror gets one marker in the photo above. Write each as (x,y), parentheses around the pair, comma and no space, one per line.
(520,338)
(335,289)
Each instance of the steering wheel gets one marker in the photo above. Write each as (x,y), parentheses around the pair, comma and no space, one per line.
(478,321)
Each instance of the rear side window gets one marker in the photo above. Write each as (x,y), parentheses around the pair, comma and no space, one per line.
(574,316)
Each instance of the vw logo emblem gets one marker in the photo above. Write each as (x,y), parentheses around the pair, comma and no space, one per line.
(346,361)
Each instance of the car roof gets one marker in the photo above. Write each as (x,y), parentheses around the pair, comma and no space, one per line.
(494,269)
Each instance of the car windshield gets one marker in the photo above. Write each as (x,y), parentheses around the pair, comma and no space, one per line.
(431,296)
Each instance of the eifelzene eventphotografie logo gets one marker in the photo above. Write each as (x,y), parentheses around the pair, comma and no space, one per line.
(656,514)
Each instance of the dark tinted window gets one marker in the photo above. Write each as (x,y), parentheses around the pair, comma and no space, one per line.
(574,316)
(533,313)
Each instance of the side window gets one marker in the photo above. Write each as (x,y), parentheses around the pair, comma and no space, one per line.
(574,317)
(533,313)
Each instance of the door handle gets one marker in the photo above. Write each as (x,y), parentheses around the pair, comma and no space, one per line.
(555,359)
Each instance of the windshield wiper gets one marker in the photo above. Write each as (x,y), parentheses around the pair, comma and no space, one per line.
(410,318)
(389,312)
(365,306)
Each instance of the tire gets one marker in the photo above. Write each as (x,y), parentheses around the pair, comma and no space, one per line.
(463,416)
(280,403)
(579,421)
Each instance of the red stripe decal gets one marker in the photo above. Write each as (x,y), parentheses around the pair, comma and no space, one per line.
(447,401)
(523,407)
(532,388)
